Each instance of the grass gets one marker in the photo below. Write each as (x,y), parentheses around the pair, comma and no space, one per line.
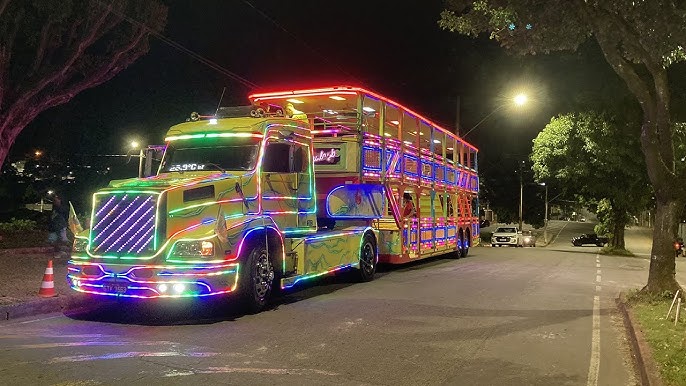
(662,336)
(610,250)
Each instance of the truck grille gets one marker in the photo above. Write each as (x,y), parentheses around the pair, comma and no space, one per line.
(124,224)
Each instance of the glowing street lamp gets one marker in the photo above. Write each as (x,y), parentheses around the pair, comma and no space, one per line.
(134,145)
(519,100)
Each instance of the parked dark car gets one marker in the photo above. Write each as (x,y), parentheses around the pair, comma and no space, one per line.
(589,238)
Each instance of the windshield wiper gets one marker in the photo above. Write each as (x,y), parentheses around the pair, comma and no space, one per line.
(216,166)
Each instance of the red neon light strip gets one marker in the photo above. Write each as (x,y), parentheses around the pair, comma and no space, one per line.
(349,90)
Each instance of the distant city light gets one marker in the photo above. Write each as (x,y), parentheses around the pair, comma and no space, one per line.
(38,153)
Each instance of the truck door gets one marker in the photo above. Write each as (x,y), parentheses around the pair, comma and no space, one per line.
(287,185)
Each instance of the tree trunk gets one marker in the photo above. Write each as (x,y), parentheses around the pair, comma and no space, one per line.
(661,277)
(618,235)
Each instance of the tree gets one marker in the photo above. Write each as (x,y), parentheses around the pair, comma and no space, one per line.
(52,50)
(582,153)
(639,40)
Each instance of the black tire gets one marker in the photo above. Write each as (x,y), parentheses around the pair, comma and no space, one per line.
(368,258)
(257,279)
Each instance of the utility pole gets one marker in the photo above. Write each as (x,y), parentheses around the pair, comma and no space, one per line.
(545,219)
(521,193)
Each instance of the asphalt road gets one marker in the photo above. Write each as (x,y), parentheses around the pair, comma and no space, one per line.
(513,316)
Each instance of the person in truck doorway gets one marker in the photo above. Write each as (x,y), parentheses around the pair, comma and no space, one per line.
(408,206)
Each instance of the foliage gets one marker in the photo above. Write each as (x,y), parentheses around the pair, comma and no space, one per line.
(664,338)
(603,213)
(639,40)
(52,50)
(17,225)
(581,152)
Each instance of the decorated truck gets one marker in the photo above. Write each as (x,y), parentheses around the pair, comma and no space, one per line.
(297,185)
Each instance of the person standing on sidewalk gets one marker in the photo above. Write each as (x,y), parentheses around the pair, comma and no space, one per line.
(58,225)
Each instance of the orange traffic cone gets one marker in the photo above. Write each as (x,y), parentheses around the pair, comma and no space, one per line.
(47,287)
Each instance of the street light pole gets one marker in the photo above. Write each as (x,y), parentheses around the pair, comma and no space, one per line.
(545,218)
(521,193)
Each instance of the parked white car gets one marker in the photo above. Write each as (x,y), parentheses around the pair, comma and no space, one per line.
(507,235)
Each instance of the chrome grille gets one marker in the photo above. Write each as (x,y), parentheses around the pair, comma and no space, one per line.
(123,224)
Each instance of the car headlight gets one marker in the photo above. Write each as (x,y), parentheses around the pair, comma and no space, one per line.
(527,239)
(194,248)
(80,244)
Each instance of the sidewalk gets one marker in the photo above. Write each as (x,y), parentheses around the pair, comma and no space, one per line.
(21,275)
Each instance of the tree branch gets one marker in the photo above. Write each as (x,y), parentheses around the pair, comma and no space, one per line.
(120,59)
(42,46)
(6,57)
(3,5)
(87,41)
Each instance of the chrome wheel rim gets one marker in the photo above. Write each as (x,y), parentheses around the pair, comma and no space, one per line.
(264,275)
(367,258)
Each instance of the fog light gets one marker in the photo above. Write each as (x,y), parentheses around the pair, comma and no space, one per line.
(207,248)
(162,287)
(178,288)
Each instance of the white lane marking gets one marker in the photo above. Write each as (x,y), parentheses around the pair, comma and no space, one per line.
(597,278)
(598,272)
(130,354)
(597,265)
(594,366)
(598,288)
(31,321)
(250,370)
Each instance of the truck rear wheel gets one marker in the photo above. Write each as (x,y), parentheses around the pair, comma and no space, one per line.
(368,258)
(257,279)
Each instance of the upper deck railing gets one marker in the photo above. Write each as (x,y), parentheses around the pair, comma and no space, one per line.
(385,129)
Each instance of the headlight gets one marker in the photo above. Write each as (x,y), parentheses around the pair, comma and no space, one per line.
(527,239)
(195,248)
(80,245)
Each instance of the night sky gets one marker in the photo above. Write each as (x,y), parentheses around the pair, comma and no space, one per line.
(394,48)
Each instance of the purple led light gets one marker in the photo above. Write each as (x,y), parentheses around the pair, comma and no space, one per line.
(128,227)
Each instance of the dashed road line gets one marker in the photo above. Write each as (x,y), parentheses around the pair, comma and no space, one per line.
(594,365)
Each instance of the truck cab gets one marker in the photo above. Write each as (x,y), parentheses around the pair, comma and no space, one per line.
(232,208)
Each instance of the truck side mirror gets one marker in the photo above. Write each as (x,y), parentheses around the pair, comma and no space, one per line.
(149,160)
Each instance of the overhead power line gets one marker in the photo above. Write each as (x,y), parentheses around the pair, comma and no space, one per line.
(183,49)
(303,42)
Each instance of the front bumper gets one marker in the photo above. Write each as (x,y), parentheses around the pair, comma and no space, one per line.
(504,240)
(153,281)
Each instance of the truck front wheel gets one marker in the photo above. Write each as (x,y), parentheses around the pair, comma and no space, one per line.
(368,258)
(257,279)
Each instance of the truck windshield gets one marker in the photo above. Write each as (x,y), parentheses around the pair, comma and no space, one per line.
(230,153)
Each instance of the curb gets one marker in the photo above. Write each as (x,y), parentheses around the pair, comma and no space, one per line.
(60,303)
(644,363)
